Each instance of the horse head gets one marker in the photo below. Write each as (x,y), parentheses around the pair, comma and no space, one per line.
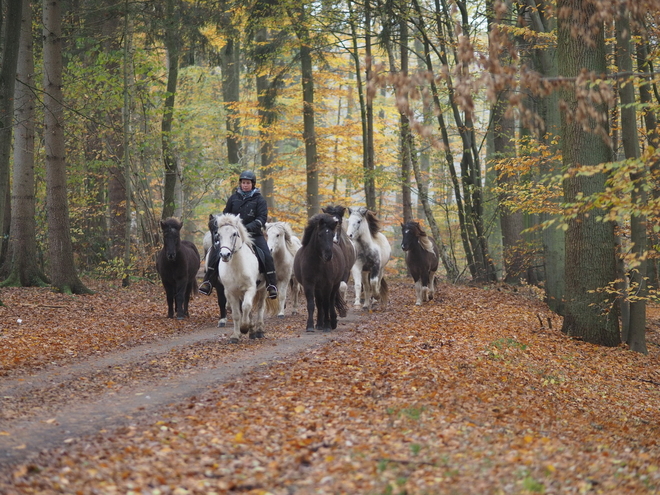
(338,213)
(231,235)
(319,234)
(171,237)
(411,231)
(361,221)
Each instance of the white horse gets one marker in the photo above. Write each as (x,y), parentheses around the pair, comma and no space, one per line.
(283,246)
(373,253)
(238,271)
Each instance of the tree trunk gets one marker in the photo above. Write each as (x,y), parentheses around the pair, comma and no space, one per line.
(230,59)
(63,272)
(169,158)
(368,165)
(406,137)
(503,129)
(553,239)
(9,59)
(591,313)
(22,268)
(634,330)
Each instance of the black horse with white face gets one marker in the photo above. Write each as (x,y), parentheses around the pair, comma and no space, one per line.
(421,259)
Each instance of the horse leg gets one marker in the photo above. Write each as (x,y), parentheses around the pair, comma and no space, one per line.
(235,304)
(222,304)
(169,293)
(368,291)
(431,285)
(246,310)
(356,272)
(333,310)
(257,328)
(295,296)
(179,299)
(321,312)
(309,296)
(282,288)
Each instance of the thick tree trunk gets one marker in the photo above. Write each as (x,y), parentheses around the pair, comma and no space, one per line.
(230,59)
(9,59)
(62,267)
(22,267)
(169,158)
(591,313)
(634,330)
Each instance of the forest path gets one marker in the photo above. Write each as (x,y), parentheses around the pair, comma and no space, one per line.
(59,404)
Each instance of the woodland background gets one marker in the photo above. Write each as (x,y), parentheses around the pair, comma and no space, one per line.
(522,134)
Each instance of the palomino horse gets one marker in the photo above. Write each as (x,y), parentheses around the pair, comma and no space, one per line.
(177,265)
(373,253)
(283,246)
(215,282)
(421,259)
(238,271)
(319,267)
(345,244)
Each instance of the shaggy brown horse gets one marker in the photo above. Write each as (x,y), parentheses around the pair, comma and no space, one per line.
(421,259)
(319,266)
(346,245)
(177,265)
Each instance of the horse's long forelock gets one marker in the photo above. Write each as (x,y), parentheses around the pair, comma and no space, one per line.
(234,221)
(285,229)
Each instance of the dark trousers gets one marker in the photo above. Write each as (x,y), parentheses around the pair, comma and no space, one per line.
(266,265)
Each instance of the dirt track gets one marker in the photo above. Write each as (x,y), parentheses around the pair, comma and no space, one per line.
(57,405)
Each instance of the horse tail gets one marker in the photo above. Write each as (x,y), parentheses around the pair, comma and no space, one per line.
(340,305)
(384,292)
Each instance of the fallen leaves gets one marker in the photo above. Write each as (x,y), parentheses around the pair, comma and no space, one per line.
(468,394)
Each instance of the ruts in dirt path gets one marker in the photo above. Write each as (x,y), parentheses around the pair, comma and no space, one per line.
(57,405)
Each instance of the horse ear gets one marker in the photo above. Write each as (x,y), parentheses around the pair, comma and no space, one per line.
(163,225)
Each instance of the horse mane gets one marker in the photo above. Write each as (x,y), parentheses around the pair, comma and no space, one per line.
(336,211)
(236,222)
(313,223)
(422,237)
(373,222)
(172,223)
(288,233)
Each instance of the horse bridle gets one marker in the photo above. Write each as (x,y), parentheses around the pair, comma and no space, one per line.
(231,249)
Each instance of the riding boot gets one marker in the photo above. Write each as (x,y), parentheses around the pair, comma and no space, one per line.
(206,286)
(271,280)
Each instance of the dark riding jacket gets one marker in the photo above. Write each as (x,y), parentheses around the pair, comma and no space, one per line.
(252,209)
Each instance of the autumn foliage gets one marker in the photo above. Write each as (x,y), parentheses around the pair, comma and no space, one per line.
(475,392)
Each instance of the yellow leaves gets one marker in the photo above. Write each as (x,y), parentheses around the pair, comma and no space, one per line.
(300,409)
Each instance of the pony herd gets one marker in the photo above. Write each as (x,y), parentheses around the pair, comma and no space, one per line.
(319,266)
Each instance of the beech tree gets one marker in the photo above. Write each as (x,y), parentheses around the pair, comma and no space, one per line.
(62,267)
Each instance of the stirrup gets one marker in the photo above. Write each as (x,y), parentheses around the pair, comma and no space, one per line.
(205,288)
(272,292)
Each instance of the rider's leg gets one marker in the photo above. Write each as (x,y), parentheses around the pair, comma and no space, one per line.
(268,267)
(212,263)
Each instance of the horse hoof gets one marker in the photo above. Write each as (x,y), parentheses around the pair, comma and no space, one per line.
(310,330)
(280,315)
(253,336)
(233,340)
(180,317)
(221,324)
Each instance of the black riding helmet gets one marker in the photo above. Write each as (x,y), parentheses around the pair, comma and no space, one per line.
(248,175)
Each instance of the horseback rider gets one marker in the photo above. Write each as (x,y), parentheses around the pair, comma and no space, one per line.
(248,203)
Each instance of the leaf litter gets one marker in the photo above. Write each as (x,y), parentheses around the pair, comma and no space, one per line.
(472,393)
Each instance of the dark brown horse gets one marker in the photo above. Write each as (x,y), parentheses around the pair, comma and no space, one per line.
(346,245)
(319,266)
(208,244)
(177,265)
(421,259)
